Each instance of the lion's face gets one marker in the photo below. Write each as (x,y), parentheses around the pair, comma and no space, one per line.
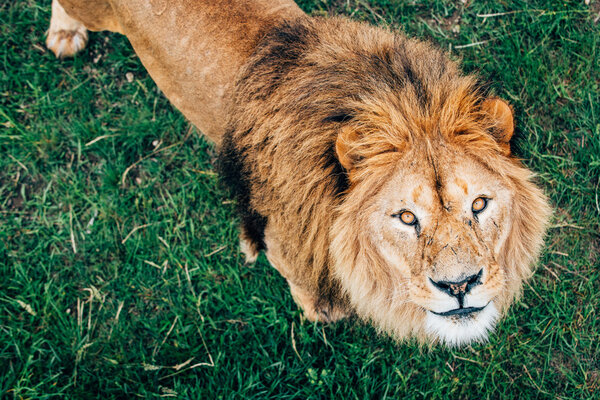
(439,229)
(386,182)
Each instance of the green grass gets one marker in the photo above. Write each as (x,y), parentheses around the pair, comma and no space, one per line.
(120,272)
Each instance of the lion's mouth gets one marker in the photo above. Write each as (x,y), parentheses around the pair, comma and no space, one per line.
(461,312)
(462,325)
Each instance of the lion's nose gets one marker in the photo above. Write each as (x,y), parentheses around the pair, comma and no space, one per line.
(459,289)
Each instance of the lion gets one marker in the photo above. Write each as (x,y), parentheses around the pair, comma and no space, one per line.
(377,178)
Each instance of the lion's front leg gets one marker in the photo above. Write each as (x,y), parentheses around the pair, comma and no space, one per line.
(315,305)
(66,35)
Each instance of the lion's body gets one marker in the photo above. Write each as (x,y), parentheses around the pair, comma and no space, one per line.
(330,129)
(192,49)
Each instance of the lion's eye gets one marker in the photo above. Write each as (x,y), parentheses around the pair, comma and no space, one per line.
(479,205)
(406,217)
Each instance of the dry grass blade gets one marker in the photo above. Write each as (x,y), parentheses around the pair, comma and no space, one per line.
(134,230)
(157,348)
(72,234)
(294,343)
(91,142)
(145,158)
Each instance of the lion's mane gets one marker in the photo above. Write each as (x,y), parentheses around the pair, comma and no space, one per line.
(306,81)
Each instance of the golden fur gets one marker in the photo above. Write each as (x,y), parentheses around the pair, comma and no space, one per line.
(335,128)
(327,114)
(192,49)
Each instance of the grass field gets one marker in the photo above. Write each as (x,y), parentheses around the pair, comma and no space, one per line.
(120,275)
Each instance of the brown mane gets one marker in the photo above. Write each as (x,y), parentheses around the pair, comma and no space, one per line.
(315,82)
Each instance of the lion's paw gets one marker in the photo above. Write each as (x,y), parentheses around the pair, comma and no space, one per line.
(324,314)
(250,250)
(315,310)
(65,43)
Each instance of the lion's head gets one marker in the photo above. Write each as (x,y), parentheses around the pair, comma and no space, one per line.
(440,225)
(385,179)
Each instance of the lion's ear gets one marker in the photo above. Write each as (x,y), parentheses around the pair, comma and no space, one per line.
(502,115)
(345,146)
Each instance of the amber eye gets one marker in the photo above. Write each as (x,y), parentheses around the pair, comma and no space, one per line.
(407,217)
(479,205)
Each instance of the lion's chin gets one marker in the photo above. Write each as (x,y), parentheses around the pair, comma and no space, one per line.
(458,331)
